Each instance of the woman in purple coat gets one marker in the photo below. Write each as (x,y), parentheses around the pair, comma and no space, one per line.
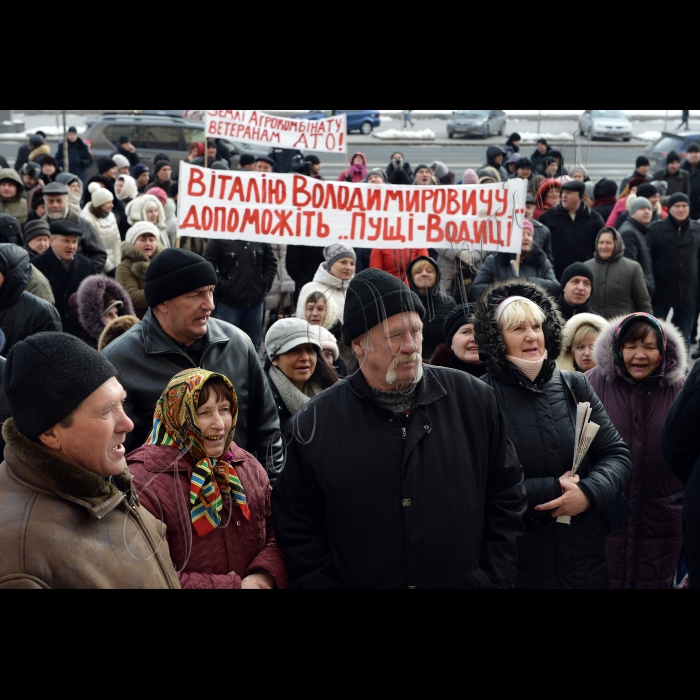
(641,369)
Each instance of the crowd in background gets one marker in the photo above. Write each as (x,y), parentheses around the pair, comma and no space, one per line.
(228,339)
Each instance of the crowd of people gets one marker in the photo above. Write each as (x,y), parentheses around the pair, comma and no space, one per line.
(215,405)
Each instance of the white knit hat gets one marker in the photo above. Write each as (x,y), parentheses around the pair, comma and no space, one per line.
(121,162)
(141,229)
(327,340)
(100,195)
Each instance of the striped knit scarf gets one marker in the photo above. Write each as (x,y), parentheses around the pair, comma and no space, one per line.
(175,423)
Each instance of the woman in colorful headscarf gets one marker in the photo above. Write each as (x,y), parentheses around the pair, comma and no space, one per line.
(641,369)
(213,496)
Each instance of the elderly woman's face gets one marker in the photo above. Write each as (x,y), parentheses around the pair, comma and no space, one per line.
(524,341)
(642,356)
(464,345)
(215,421)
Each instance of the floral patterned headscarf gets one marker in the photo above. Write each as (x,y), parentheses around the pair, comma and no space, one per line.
(662,339)
(176,423)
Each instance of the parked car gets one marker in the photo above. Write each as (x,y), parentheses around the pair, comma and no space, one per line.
(477,122)
(611,123)
(670,141)
(151,135)
(362,120)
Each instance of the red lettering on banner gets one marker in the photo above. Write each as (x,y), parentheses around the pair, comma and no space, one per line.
(324,230)
(411,222)
(212,186)
(192,220)
(435,232)
(343,197)
(457,232)
(376,225)
(362,218)
(252,217)
(237,189)
(233,219)
(502,198)
(207,218)
(225,179)
(299,189)
(283,218)
(374,200)
(220,218)
(469,202)
(250,197)
(330,142)
(453,203)
(278,191)
(480,233)
(309,216)
(301,143)
(427,196)
(497,239)
(356,201)
(440,201)
(393,233)
(196,180)
(330,201)
(510,232)
(266,222)
(393,196)
(488,200)
(413,200)
(318,196)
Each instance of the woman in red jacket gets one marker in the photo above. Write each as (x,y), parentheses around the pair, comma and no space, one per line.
(396,262)
(213,496)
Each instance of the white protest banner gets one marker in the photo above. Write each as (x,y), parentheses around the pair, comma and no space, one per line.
(297,210)
(252,126)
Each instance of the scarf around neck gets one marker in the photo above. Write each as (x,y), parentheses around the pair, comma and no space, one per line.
(293,399)
(175,424)
(530,368)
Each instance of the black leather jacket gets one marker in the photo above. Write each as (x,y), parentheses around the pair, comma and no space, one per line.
(147,359)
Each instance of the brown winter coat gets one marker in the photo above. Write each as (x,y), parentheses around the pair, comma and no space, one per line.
(162,476)
(63,527)
(131,274)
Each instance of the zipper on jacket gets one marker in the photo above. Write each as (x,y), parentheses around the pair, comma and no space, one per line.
(405,434)
(147,536)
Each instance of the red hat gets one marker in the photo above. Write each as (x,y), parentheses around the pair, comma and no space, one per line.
(159,194)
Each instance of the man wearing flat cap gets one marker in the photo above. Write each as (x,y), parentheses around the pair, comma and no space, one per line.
(64,268)
(69,518)
(574,226)
(400,477)
(178,333)
(58,209)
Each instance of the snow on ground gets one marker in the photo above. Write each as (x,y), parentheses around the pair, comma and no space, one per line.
(649,136)
(50,131)
(396,135)
(532,137)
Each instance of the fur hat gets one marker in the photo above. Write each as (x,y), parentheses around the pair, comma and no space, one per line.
(566,359)
(47,376)
(99,195)
(121,161)
(115,329)
(137,208)
(104,165)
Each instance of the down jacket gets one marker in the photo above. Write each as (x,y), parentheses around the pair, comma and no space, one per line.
(418,522)
(437,306)
(162,477)
(646,552)
(131,274)
(21,313)
(680,446)
(566,359)
(534,266)
(108,230)
(540,423)
(15,206)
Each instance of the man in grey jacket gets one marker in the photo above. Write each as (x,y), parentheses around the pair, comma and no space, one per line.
(90,245)
(178,333)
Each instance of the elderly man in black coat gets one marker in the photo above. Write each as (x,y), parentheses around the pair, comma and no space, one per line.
(400,477)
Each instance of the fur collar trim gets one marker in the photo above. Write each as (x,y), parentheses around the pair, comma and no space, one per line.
(673,368)
(488,334)
(65,478)
(91,305)
(566,359)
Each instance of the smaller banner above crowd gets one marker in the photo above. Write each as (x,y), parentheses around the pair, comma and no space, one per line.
(252,126)
(297,210)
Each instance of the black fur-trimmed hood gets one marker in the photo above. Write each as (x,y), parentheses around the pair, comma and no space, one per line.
(488,334)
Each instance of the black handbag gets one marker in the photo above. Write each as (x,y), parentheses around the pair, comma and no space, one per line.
(620,511)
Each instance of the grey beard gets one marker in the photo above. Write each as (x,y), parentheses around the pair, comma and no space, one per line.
(58,216)
(391,375)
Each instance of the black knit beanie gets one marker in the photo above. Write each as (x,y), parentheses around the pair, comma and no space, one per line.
(176,272)
(372,297)
(48,376)
(575,270)
(678,198)
(459,317)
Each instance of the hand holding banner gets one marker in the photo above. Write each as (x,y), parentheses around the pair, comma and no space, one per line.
(255,127)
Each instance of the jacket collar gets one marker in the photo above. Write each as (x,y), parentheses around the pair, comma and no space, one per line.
(429,389)
(41,471)
(158,342)
(583,210)
(163,459)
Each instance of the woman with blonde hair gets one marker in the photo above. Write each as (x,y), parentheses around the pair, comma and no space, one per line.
(579,339)
(519,329)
